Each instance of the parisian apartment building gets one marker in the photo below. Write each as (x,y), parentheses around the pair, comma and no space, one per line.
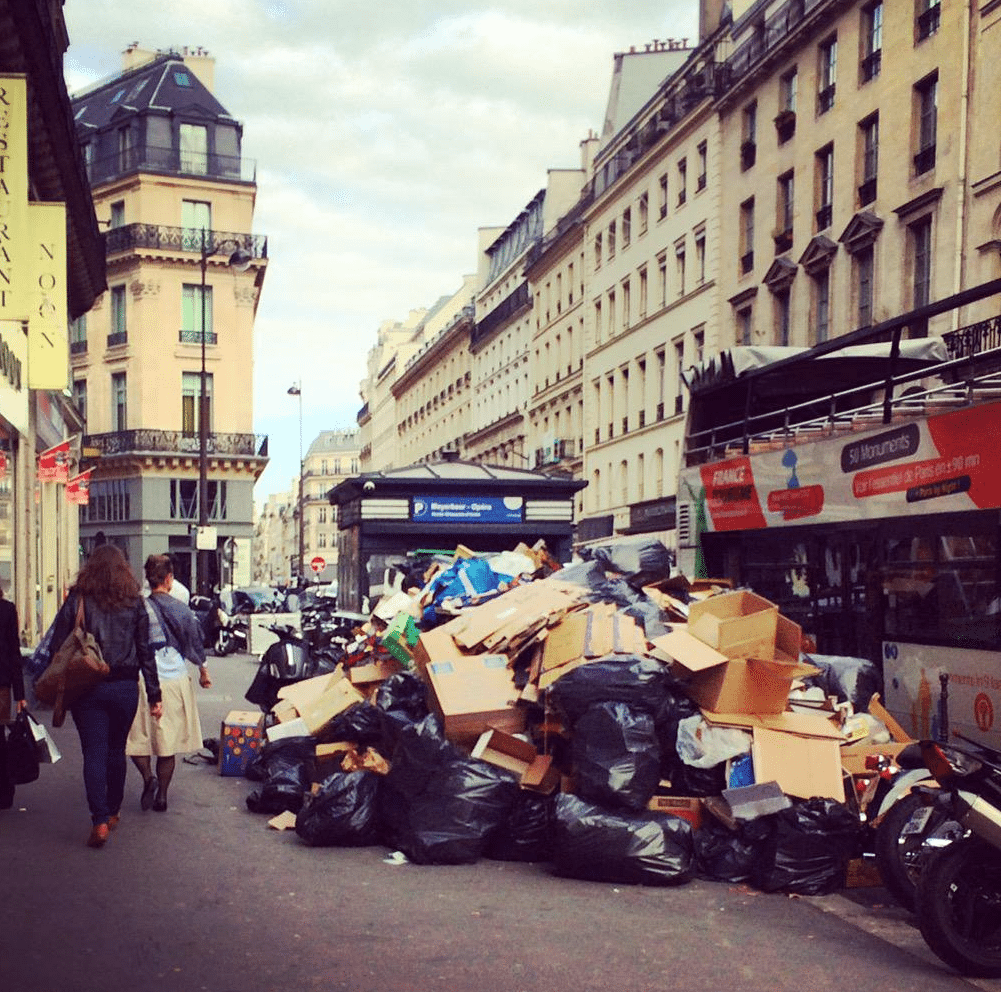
(808,168)
(161,362)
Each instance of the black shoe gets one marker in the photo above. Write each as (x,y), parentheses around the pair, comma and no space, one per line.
(160,803)
(149,791)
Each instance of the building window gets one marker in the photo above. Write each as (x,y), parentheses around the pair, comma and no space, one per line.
(744,325)
(825,187)
(920,232)
(661,356)
(864,261)
(662,279)
(119,407)
(598,330)
(80,396)
(196,318)
(926,105)
(78,335)
(679,377)
(124,149)
(119,327)
(828,74)
(679,259)
(785,204)
(748,135)
(747,236)
(785,120)
(597,250)
(822,305)
(627,299)
(117,214)
(869,139)
(662,187)
(643,212)
(682,181)
(928,18)
(703,157)
(611,313)
(872,42)
(700,258)
(627,227)
(196,224)
(194,141)
(611,240)
(643,292)
(781,301)
(191,391)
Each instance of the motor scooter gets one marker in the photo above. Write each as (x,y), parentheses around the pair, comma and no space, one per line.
(285,661)
(959,887)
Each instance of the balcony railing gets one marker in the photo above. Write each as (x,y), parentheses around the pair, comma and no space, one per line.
(924,161)
(867,192)
(785,125)
(118,338)
(746,262)
(78,347)
(172,160)
(928,21)
(825,99)
(871,65)
(191,336)
(158,236)
(824,217)
(506,310)
(147,441)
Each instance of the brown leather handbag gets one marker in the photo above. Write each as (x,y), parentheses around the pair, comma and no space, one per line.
(76,667)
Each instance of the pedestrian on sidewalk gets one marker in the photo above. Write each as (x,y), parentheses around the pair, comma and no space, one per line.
(177,636)
(115,613)
(11,690)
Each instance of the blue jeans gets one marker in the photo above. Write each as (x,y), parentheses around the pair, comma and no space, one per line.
(103,717)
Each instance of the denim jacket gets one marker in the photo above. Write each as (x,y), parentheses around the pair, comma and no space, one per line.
(123,635)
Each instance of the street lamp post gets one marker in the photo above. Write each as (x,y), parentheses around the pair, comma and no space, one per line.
(296,390)
(239,260)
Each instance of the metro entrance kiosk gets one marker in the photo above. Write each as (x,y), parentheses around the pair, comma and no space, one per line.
(384,516)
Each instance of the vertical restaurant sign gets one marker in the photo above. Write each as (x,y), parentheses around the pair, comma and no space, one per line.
(13,196)
(78,488)
(54,463)
(48,335)
(942,463)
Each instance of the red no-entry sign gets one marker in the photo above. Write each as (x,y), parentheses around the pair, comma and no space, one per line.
(318,564)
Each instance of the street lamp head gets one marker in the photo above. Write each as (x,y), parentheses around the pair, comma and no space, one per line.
(294,391)
(240,260)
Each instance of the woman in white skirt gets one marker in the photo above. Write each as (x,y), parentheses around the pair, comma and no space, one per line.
(174,629)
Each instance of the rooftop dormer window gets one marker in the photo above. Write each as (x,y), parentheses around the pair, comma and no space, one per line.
(118,96)
(182,79)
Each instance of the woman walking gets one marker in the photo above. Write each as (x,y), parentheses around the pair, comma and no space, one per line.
(115,614)
(178,637)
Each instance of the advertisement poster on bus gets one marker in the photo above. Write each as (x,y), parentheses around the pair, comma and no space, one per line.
(943,463)
(935,693)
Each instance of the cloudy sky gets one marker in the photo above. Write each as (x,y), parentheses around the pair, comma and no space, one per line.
(384,134)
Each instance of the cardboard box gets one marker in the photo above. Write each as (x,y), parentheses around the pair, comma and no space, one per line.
(473,693)
(732,684)
(339,696)
(400,638)
(436,645)
(736,806)
(804,767)
(535,771)
(738,624)
(305,693)
(377,671)
(687,807)
(239,740)
(288,728)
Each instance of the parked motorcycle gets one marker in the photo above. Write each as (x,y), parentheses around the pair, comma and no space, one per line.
(285,661)
(959,887)
(232,635)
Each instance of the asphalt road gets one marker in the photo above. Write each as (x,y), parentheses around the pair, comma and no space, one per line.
(206,897)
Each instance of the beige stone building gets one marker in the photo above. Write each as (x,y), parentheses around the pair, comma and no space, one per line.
(331,457)
(176,323)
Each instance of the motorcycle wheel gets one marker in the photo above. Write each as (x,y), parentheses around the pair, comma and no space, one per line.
(223,643)
(898,854)
(959,907)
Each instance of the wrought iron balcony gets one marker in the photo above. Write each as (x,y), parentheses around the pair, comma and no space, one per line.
(867,192)
(147,441)
(924,160)
(928,21)
(172,161)
(194,336)
(158,236)
(871,65)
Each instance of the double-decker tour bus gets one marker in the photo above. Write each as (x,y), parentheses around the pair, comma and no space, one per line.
(857,485)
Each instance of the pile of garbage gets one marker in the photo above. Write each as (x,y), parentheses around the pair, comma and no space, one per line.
(608,719)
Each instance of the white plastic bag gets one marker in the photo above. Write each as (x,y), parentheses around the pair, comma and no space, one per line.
(701,745)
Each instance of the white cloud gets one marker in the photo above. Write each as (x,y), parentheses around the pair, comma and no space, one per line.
(384,136)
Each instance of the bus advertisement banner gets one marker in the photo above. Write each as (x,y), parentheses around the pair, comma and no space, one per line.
(945,462)
(927,687)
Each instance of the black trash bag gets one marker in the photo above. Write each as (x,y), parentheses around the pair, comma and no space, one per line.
(640,562)
(341,812)
(527,833)
(402,701)
(616,757)
(361,724)
(724,855)
(438,805)
(616,591)
(639,680)
(588,573)
(807,848)
(685,780)
(22,754)
(650,617)
(850,679)
(629,848)
(288,766)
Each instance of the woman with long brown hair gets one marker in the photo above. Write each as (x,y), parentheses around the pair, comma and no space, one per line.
(116,615)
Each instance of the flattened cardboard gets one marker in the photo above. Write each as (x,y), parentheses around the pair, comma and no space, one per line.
(338,697)
(801,724)
(436,645)
(304,693)
(687,807)
(472,693)
(805,767)
(283,821)
(735,806)
(290,728)
(740,624)
(377,671)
